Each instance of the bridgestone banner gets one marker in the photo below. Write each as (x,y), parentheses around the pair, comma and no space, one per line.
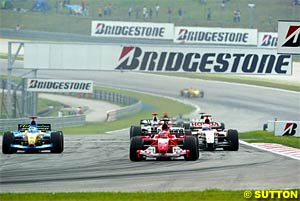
(50,85)
(154,58)
(287,128)
(267,39)
(216,36)
(204,60)
(132,30)
(288,37)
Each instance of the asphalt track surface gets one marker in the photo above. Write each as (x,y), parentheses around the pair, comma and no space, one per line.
(101,162)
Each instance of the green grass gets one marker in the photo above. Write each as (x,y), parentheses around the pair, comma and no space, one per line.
(268,137)
(243,80)
(4,56)
(152,103)
(44,104)
(194,14)
(207,195)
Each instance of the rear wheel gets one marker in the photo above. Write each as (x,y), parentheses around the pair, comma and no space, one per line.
(8,139)
(233,138)
(188,132)
(57,142)
(222,126)
(136,144)
(187,126)
(190,144)
(135,131)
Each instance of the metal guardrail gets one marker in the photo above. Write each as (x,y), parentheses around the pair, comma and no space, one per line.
(124,111)
(56,122)
(133,105)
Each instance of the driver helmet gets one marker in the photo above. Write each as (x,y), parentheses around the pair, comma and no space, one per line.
(33,129)
(205,127)
(163,134)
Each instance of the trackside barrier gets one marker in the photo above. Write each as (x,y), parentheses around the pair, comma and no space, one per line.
(112,115)
(107,96)
(56,122)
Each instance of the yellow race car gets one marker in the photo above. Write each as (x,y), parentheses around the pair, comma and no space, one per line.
(191,93)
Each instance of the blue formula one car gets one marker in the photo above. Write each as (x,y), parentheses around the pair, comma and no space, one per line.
(33,137)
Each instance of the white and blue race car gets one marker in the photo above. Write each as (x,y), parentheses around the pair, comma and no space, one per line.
(33,137)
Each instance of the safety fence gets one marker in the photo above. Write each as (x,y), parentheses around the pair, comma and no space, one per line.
(130,104)
(123,111)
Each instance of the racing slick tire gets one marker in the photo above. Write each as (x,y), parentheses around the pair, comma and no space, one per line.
(201,94)
(8,139)
(197,139)
(265,127)
(136,143)
(57,142)
(188,132)
(181,93)
(187,126)
(222,126)
(233,138)
(135,131)
(190,144)
(62,139)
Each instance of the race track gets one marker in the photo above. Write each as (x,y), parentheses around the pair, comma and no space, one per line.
(101,163)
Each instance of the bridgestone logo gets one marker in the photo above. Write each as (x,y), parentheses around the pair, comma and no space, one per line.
(205,35)
(103,29)
(45,85)
(121,29)
(292,37)
(200,36)
(269,40)
(230,61)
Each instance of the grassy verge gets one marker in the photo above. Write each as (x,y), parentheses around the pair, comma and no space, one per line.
(5,55)
(268,137)
(208,195)
(45,104)
(151,103)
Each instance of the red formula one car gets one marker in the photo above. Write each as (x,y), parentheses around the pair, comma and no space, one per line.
(168,143)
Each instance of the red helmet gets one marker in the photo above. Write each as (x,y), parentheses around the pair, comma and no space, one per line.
(164,134)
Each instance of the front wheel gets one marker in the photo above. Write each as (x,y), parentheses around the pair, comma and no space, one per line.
(136,144)
(8,139)
(190,144)
(57,142)
(233,138)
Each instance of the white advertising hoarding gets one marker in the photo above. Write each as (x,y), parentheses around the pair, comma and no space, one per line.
(288,37)
(157,59)
(267,39)
(216,36)
(287,128)
(132,30)
(52,85)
